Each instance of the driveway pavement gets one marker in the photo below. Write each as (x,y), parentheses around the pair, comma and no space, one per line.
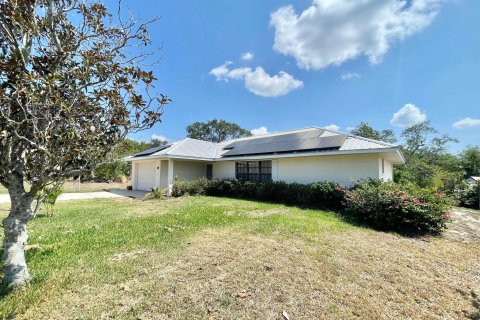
(465,225)
(4,198)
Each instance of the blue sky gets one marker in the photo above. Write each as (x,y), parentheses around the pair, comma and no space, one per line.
(318,63)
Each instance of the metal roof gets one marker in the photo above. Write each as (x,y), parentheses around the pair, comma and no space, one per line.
(310,139)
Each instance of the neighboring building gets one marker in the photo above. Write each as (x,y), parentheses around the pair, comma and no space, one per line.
(473,180)
(303,156)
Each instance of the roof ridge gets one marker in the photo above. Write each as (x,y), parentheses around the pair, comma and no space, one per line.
(270,133)
(177,144)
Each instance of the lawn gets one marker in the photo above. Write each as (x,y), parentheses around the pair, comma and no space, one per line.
(74,186)
(217,258)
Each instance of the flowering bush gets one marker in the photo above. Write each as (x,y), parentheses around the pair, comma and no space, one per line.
(402,208)
(467,195)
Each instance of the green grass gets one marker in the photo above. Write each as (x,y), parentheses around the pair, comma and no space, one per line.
(81,234)
(188,258)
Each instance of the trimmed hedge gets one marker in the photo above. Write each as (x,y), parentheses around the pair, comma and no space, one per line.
(382,205)
(328,195)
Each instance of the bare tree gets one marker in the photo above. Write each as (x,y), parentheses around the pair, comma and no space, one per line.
(70,90)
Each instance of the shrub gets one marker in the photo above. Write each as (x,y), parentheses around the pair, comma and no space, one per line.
(190,187)
(395,207)
(321,194)
(467,195)
(156,193)
(48,197)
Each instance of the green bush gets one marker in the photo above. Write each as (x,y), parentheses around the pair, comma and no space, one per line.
(321,194)
(111,172)
(394,207)
(155,194)
(467,195)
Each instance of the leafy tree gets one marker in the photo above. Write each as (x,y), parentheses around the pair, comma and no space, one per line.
(470,159)
(428,162)
(114,169)
(216,131)
(366,131)
(69,92)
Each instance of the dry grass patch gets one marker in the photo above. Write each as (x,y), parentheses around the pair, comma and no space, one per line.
(229,274)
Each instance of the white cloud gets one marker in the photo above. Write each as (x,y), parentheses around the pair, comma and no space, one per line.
(247,56)
(350,76)
(466,123)
(407,116)
(258,81)
(259,131)
(330,32)
(158,137)
(221,71)
(332,127)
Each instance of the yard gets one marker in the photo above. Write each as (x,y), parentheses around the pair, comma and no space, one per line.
(218,258)
(74,186)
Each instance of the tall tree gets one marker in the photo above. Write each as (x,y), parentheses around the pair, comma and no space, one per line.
(365,130)
(470,159)
(428,162)
(69,92)
(216,131)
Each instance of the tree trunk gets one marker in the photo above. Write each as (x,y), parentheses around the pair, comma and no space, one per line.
(15,271)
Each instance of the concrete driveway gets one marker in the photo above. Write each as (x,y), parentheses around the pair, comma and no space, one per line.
(5,198)
(465,225)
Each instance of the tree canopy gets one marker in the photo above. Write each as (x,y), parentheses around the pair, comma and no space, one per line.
(69,92)
(216,131)
(366,131)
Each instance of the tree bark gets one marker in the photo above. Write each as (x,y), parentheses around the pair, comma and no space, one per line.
(15,271)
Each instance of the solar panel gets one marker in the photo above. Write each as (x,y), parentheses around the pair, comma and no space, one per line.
(152,150)
(310,140)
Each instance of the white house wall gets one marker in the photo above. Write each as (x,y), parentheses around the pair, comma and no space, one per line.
(224,169)
(187,170)
(387,173)
(341,169)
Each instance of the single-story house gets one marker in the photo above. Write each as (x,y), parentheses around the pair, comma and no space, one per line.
(304,156)
(473,180)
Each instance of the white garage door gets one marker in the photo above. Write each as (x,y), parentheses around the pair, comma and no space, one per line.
(146,175)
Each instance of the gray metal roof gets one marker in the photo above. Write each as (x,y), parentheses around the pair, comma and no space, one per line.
(285,142)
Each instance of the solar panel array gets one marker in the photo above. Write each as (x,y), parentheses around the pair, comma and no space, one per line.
(152,150)
(289,142)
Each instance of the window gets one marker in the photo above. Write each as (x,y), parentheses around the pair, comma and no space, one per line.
(383,165)
(257,171)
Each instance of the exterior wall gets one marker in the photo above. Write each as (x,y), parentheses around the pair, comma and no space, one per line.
(224,169)
(163,174)
(387,173)
(187,170)
(341,169)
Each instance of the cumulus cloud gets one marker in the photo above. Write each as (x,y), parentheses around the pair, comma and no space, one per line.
(466,123)
(258,81)
(330,32)
(332,127)
(220,72)
(158,137)
(259,131)
(408,115)
(349,76)
(247,56)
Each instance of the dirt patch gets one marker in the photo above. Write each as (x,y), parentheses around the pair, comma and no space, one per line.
(465,225)
(126,255)
(227,274)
